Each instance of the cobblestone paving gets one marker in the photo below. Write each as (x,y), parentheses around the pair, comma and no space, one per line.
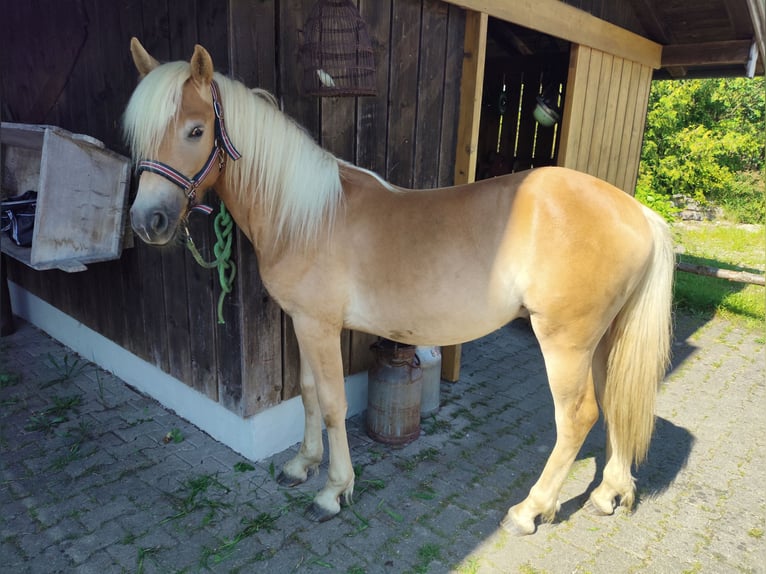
(95,477)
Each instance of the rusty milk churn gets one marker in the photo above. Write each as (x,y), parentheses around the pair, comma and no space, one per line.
(394,392)
(431,364)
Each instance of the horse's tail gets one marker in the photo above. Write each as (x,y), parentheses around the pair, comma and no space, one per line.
(638,344)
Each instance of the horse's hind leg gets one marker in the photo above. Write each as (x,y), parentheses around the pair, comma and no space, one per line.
(569,375)
(309,456)
(617,479)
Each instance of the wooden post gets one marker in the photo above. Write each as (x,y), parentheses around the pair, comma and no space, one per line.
(471,86)
(6,313)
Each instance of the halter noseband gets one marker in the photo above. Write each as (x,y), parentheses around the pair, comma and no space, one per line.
(220,144)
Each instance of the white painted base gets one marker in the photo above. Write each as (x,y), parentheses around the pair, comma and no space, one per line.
(256,437)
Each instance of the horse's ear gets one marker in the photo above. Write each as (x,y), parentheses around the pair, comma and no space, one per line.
(144,62)
(201,66)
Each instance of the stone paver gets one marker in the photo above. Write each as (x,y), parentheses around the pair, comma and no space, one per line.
(87,483)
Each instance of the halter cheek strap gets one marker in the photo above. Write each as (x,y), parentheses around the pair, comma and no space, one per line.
(221,144)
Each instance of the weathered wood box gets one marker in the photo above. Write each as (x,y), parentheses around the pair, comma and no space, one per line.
(82,190)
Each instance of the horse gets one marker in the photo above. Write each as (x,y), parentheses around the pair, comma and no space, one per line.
(339,247)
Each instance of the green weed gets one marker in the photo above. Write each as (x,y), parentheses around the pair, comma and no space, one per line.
(200,493)
(66,369)
(243,467)
(174,435)
(9,379)
(263,521)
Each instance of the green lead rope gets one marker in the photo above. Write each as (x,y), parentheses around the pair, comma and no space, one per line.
(227,270)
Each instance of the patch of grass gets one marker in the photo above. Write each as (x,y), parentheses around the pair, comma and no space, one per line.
(62,405)
(9,379)
(143,554)
(242,466)
(425,491)
(66,369)
(726,247)
(426,554)
(433,426)
(263,521)
(72,454)
(200,492)
(43,423)
(755,533)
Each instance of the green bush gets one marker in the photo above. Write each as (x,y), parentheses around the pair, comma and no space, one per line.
(705,139)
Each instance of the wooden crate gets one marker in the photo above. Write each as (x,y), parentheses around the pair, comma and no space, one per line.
(82,190)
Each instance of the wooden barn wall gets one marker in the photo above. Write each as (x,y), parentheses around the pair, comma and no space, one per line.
(158,303)
(604,116)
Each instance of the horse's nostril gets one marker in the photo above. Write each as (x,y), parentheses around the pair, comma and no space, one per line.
(159,222)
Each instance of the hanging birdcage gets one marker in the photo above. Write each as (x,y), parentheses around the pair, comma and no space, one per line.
(337,53)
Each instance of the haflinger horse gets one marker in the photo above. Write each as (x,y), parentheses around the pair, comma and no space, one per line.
(339,247)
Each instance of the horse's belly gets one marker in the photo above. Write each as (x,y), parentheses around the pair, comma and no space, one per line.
(424,321)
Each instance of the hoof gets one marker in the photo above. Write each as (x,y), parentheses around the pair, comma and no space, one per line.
(513,528)
(286,480)
(596,509)
(319,514)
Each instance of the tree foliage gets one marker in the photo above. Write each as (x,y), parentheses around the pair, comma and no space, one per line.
(705,139)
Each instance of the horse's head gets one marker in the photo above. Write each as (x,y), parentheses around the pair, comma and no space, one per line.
(174,125)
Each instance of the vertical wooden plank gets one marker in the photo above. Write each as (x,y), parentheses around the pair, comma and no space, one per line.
(475,50)
(639,107)
(491,116)
(610,118)
(471,84)
(554,73)
(372,112)
(574,105)
(621,105)
(118,22)
(527,125)
(601,97)
(623,144)
(589,114)
(403,92)
(252,43)
(450,110)
(338,136)
(371,136)
(152,275)
(514,80)
(292,16)
(211,25)
(430,94)
(252,46)
(174,263)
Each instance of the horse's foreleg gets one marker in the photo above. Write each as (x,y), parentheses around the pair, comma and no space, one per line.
(320,345)
(576,412)
(308,458)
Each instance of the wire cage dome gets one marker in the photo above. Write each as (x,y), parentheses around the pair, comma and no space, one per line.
(337,53)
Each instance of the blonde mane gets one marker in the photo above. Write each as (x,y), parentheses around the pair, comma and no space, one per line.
(282,170)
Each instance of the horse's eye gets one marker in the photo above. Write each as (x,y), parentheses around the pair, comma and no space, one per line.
(196,132)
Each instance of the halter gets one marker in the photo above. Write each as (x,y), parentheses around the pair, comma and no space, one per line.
(220,144)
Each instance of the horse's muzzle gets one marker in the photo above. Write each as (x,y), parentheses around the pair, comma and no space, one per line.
(154,226)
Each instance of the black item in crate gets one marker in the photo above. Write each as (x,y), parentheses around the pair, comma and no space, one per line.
(18,217)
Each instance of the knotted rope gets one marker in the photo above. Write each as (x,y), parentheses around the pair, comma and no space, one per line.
(227,270)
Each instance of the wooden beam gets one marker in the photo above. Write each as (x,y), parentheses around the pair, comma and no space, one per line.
(758,16)
(471,88)
(728,274)
(707,53)
(569,23)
